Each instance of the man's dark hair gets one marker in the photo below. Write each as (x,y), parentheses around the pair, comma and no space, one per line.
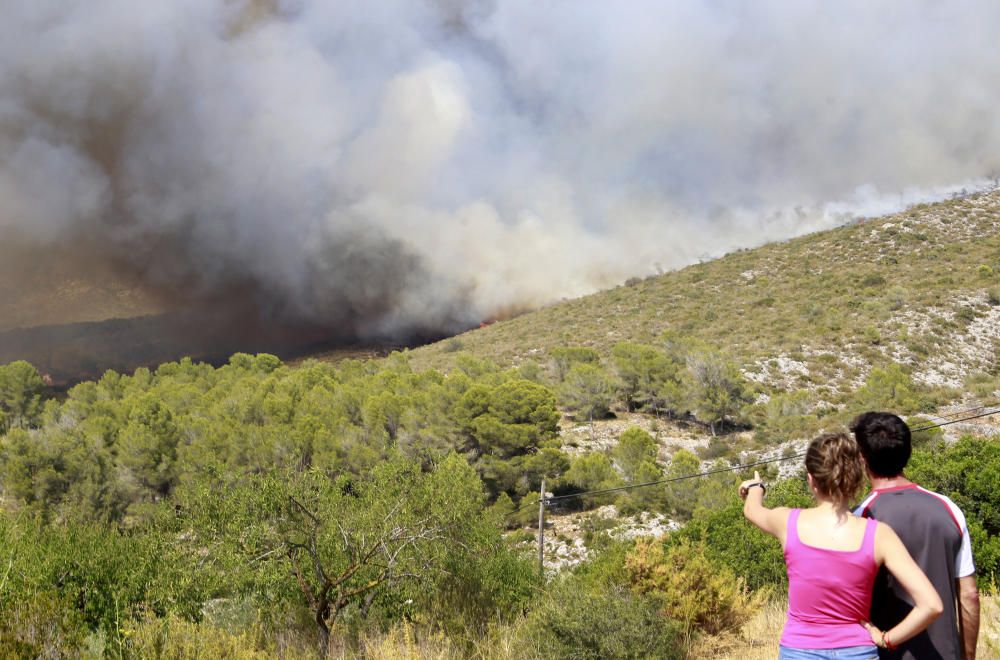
(884,440)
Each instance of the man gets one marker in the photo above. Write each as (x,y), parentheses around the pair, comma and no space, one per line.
(933,529)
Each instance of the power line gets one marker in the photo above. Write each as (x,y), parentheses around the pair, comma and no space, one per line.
(960,412)
(956,421)
(682,478)
(744,466)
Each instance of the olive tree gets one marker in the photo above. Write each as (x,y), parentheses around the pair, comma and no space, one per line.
(339,543)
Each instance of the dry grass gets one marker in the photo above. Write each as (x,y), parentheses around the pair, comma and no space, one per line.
(758,640)
(989,631)
(401,643)
(408,642)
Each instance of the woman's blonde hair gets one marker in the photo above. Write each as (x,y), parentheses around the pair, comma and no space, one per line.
(834,461)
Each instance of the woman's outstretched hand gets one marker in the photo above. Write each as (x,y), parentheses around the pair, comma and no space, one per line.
(745,486)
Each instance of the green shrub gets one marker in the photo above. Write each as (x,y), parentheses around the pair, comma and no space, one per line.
(563,358)
(493,584)
(717,447)
(967,314)
(573,622)
(103,575)
(925,434)
(872,335)
(968,472)
(690,587)
(982,384)
(596,537)
(873,280)
(593,471)
(42,625)
(890,388)
(786,416)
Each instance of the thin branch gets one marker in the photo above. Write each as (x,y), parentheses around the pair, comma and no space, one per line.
(317,564)
(10,565)
(303,509)
(263,556)
(304,586)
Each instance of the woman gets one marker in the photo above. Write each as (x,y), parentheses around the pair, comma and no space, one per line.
(832,558)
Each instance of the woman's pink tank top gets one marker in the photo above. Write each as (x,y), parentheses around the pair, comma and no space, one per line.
(829,591)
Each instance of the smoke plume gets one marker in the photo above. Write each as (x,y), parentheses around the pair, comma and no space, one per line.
(400,166)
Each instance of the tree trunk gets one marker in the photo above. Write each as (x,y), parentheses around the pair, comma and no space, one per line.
(322,612)
(324,636)
(367,603)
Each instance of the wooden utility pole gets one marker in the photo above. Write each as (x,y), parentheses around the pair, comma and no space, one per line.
(541,529)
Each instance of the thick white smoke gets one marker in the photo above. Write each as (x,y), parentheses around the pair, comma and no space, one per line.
(401,165)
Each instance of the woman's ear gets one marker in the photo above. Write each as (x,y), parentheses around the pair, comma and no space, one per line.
(812,486)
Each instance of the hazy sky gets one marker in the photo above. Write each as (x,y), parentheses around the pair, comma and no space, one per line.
(399,164)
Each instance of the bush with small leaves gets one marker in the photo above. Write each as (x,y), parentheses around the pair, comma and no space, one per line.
(592,471)
(690,587)
(889,388)
(565,357)
(968,472)
(21,395)
(576,622)
(588,392)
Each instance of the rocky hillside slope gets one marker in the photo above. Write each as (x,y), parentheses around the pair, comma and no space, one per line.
(921,288)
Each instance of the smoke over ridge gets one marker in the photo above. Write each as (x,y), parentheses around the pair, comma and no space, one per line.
(399,166)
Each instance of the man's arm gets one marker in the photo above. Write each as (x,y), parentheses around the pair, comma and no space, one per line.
(968,615)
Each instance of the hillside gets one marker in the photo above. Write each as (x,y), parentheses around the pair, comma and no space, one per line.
(227,495)
(42,286)
(921,287)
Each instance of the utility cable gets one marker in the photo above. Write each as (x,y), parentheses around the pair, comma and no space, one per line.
(734,468)
(681,478)
(960,412)
(956,421)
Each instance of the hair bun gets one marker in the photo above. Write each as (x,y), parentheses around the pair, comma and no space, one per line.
(834,461)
